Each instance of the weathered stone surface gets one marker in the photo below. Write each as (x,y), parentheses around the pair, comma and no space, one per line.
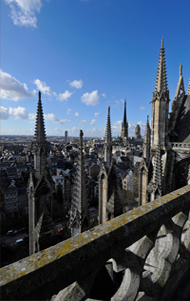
(46,273)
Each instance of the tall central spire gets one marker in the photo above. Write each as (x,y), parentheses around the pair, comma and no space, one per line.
(161,79)
(124,126)
(125,115)
(39,135)
(108,141)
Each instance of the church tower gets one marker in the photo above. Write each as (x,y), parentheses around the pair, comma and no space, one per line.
(41,188)
(160,104)
(79,219)
(124,127)
(109,202)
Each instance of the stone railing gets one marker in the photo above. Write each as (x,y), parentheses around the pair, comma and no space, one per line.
(140,255)
(180,145)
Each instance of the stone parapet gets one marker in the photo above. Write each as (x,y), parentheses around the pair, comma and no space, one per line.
(149,245)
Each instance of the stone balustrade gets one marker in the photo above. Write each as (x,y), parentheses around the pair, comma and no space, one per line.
(145,253)
(179,145)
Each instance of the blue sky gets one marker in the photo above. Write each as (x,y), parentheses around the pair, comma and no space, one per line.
(85,56)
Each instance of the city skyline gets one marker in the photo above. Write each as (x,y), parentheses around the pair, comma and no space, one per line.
(85,56)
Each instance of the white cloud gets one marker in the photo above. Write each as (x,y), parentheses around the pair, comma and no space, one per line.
(96,114)
(42,86)
(19,113)
(68,111)
(12,89)
(64,96)
(23,12)
(90,99)
(104,95)
(58,130)
(93,121)
(117,125)
(77,84)
(77,114)
(83,120)
(32,116)
(142,108)
(4,113)
(65,120)
(51,117)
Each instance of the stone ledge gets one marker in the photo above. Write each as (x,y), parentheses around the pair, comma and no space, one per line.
(52,269)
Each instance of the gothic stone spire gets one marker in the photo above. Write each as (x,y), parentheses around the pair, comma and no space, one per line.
(125,116)
(79,221)
(180,86)
(160,104)
(161,79)
(146,142)
(108,137)
(40,145)
(124,127)
(108,141)
(39,134)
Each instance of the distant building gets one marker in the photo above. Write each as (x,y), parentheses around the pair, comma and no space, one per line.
(137,131)
(11,199)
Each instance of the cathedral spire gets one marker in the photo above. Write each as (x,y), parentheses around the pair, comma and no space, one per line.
(146,142)
(108,141)
(161,79)
(180,87)
(124,126)
(39,135)
(108,137)
(125,114)
(40,144)
(160,104)
(79,220)
(188,90)
(147,132)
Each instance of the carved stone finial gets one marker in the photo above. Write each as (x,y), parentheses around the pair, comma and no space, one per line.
(180,69)
(39,95)
(162,43)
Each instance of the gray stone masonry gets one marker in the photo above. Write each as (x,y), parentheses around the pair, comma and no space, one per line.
(157,238)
